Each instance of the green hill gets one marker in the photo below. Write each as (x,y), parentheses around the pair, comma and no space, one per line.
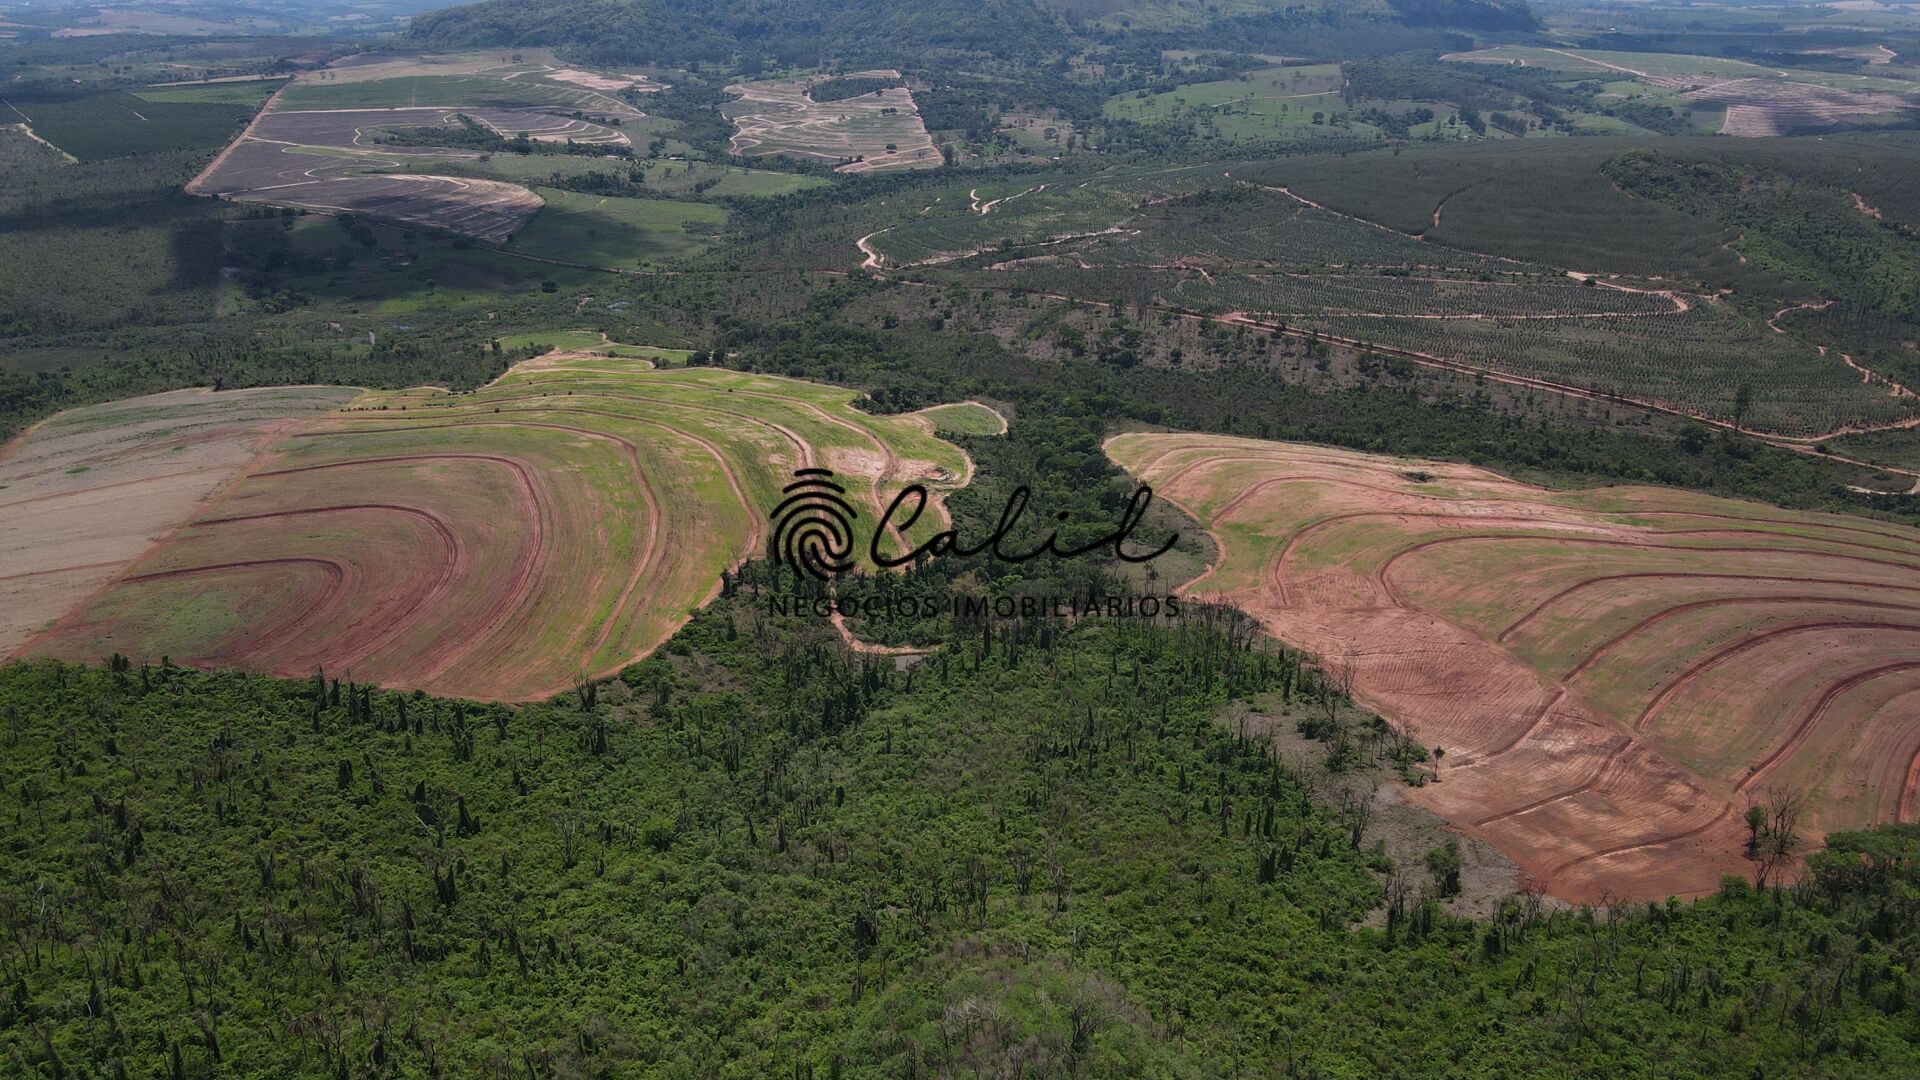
(812,32)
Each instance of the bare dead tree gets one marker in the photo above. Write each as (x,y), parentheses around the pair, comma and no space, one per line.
(1778,837)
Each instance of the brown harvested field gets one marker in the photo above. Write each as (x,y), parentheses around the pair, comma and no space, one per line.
(1614,674)
(780,117)
(560,522)
(87,492)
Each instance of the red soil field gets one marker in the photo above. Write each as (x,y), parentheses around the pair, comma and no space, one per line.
(555,525)
(86,492)
(1614,675)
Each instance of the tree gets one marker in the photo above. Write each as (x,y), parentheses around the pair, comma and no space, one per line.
(1444,863)
(1742,404)
(1778,833)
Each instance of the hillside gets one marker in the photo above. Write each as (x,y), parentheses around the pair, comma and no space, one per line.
(806,32)
(813,32)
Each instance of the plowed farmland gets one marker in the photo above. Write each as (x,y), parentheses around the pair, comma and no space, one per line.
(320,142)
(868,133)
(559,522)
(87,492)
(1613,675)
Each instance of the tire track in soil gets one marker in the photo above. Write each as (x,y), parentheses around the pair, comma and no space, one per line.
(1670,838)
(1643,546)
(527,565)
(801,446)
(1634,522)
(1903,810)
(1383,581)
(889,457)
(756,529)
(1726,601)
(1500,500)
(1812,719)
(1748,644)
(1606,763)
(1539,718)
(1541,607)
(77,492)
(450,569)
(641,566)
(712,450)
(61,570)
(337,575)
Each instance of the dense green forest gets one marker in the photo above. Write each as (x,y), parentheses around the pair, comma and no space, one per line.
(1041,850)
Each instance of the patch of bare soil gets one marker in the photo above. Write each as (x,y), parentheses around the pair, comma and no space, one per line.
(1758,108)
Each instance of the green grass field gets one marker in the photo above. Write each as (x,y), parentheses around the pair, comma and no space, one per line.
(408,90)
(965,418)
(565,518)
(1599,61)
(1271,103)
(250,94)
(590,341)
(598,230)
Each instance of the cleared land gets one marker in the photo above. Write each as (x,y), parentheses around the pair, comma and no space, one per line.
(85,493)
(1614,675)
(560,522)
(880,130)
(322,142)
(1269,103)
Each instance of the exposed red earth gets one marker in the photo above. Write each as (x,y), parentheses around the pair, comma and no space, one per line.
(1614,675)
(85,493)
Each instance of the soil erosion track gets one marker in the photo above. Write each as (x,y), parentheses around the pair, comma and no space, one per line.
(1614,675)
(558,523)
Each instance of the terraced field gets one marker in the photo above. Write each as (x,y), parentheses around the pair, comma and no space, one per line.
(559,522)
(1614,675)
(84,494)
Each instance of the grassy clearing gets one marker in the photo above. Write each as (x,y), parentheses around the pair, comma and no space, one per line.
(599,230)
(251,93)
(435,90)
(590,341)
(1271,103)
(965,418)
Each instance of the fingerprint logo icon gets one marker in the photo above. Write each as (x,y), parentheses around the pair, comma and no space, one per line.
(813,526)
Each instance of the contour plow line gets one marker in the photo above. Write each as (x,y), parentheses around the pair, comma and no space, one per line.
(501,544)
(1542,761)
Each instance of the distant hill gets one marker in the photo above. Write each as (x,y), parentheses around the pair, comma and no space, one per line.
(792,32)
(813,32)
